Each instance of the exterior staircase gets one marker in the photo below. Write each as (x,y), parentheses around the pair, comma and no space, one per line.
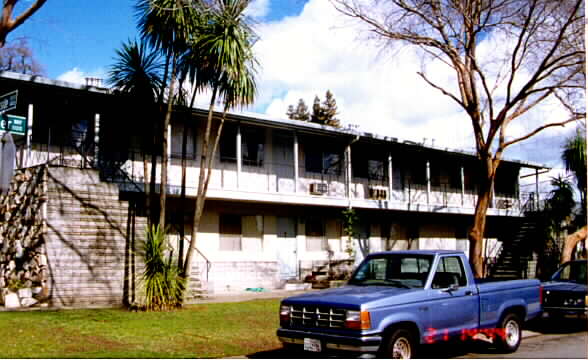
(512,261)
(91,240)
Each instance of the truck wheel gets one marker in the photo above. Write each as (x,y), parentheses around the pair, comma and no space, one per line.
(512,330)
(400,345)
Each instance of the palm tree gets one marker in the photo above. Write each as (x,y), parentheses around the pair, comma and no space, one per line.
(168,25)
(137,72)
(574,157)
(223,52)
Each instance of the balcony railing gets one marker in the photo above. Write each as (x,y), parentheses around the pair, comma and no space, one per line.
(127,170)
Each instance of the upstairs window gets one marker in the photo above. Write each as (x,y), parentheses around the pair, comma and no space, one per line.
(323,161)
(368,163)
(228,144)
(252,145)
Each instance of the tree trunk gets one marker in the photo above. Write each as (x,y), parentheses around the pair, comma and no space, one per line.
(200,195)
(183,196)
(476,234)
(570,243)
(165,157)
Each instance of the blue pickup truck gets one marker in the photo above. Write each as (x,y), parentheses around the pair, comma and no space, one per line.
(397,300)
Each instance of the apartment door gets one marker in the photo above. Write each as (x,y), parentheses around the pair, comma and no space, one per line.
(287,249)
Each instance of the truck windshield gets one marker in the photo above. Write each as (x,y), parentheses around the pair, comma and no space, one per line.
(399,270)
(574,271)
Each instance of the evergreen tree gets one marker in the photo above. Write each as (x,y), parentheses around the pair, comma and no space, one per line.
(329,109)
(300,113)
(317,111)
(322,113)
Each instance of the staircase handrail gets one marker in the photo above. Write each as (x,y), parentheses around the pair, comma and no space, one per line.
(182,239)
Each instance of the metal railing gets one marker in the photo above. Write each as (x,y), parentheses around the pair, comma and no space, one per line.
(183,240)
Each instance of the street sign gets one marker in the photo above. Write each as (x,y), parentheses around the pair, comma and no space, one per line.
(8,101)
(16,124)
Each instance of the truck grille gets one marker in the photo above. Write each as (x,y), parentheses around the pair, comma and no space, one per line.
(317,316)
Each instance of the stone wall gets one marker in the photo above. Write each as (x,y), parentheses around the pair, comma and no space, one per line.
(23,261)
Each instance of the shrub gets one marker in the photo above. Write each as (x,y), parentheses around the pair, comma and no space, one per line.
(161,279)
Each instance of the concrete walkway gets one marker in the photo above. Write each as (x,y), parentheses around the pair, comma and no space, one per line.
(248,296)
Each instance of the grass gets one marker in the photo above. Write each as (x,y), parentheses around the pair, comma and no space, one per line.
(197,331)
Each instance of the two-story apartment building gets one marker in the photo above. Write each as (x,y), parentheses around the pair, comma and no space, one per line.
(279,187)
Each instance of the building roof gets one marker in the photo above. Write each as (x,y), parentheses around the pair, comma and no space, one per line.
(265,120)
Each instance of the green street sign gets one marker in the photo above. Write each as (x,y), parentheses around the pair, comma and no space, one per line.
(16,124)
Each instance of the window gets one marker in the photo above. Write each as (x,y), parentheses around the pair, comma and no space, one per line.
(178,138)
(322,161)
(252,145)
(449,272)
(315,235)
(228,144)
(230,232)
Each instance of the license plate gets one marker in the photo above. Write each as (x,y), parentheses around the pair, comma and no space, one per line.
(313,345)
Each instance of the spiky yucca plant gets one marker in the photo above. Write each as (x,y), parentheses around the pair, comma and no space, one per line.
(161,281)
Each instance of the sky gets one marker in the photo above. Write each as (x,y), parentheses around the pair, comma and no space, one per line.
(305,48)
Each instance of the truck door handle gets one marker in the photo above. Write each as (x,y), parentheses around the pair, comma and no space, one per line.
(469,293)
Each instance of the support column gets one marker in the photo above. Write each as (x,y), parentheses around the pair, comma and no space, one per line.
(390,179)
(268,161)
(296,162)
(348,171)
(239,160)
(428,181)
(536,189)
(29,135)
(462,186)
(96,137)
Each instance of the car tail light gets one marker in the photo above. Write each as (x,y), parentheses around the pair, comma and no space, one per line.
(285,312)
(541,294)
(358,320)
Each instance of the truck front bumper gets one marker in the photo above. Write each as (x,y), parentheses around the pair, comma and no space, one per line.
(362,344)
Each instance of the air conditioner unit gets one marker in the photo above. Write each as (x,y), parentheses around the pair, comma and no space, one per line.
(378,193)
(318,188)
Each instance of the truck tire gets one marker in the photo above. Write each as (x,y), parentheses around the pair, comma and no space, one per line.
(510,339)
(400,344)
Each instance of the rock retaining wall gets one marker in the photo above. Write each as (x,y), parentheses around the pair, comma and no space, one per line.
(23,261)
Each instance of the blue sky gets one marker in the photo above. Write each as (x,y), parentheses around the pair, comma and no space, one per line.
(83,34)
(305,49)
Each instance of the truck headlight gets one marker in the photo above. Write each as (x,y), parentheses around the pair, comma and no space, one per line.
(357,320)
(285,312)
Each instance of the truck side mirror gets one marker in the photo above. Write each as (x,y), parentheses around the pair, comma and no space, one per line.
(452,287)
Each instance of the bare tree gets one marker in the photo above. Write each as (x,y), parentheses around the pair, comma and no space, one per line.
(8,23)
(18,57)
(540,59)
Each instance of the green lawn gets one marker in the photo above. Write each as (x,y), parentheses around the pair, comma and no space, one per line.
(197,331)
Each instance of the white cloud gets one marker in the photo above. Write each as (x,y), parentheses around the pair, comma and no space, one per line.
(78,76)
(258,8)
(303,56)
